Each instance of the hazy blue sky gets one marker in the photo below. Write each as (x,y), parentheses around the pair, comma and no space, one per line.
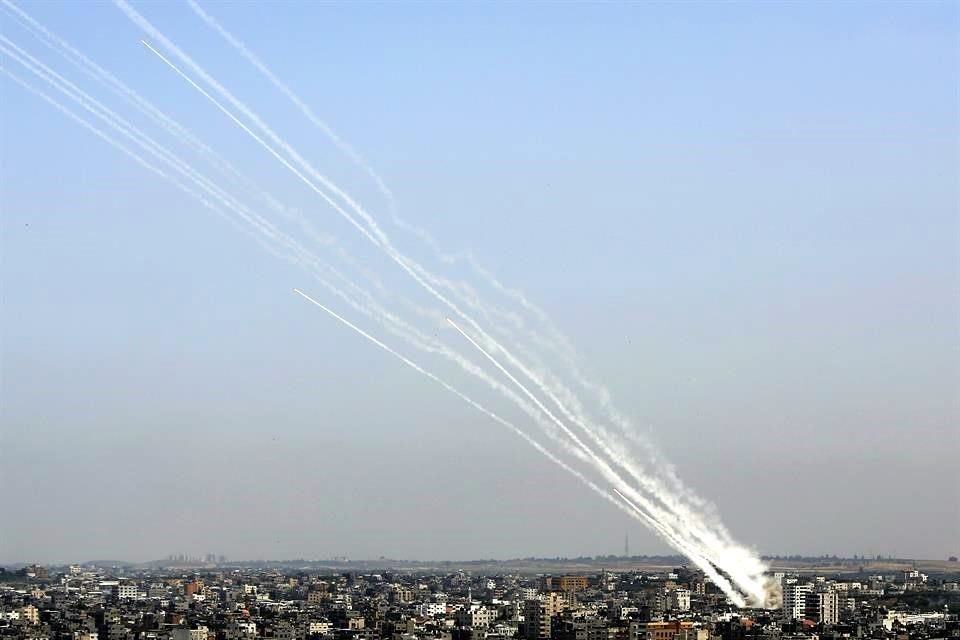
(744,215)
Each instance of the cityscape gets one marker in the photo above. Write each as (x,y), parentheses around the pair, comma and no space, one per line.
(305,304)
(605,598)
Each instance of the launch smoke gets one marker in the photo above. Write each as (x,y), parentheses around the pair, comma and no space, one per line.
(500,338)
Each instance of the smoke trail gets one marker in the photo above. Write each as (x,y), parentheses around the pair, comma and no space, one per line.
(175,129)
(602,466)
(149,166)
(418,273)
(150,146)
(119,88)
(339,142)
(633,510)
(565,348)
(295,252)
(557,341)
(380,239)
(380,183)
(371,309)
(372,232)
(414,270)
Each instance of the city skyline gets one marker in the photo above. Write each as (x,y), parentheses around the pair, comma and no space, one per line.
(653,603)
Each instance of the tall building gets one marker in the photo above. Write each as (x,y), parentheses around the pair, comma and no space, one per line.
(537,616)
(795,600)
(823,607)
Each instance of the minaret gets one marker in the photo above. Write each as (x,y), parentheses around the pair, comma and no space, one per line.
(626,545)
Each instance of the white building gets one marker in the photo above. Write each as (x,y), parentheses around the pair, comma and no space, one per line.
(795,600)
(824,607)
(476,617)
(321,627)
(430,609)
(527,594)
(127,591)
(623,611)
(908,619)
(678,600)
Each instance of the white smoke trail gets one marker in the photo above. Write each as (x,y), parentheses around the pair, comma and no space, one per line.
(174,128)
(141,161)
(420,275)
(416,338)
(379,239)
(127,130)
(559,342)
(339,142)
(633,509)
(488,311)
(125,92)
(414,270)
(148,145)
(556,342)
(294,252)
(611,475)
(372,231)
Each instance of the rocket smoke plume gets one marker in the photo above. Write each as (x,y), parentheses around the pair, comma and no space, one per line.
(498,342)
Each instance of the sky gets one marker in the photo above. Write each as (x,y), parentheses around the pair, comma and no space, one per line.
(744,216)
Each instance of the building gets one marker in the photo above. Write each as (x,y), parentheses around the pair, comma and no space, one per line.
(795,600)
(127,592)
(570,583)
(536,620)
(241,630)
(823,607)
(319,627)
(200,633)
(581,630)
(478,617)
(678,600)
(430,609)
(30,613)
(527,593)
(402,595)
(672,630)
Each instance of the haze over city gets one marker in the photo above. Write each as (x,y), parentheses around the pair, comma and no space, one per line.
(743,217)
